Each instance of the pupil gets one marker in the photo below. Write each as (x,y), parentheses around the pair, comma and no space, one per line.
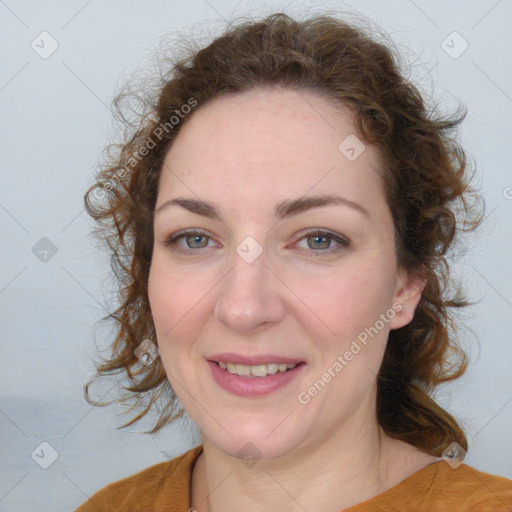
(195,238)
(317,238)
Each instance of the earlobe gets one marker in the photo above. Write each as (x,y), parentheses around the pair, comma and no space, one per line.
(407,296)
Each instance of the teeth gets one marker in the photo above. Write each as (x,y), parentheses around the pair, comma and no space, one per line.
(260,370)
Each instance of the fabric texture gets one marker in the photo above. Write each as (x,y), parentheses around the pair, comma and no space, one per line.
(165,487)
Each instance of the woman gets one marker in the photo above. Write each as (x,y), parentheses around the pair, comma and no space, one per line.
(280,224)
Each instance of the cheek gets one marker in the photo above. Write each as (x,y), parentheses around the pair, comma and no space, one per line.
(164,298)
(172,296)
(178,306)
(351,305)
(350,300)
(169,301)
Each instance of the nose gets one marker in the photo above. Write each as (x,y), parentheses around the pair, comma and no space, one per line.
(250,295)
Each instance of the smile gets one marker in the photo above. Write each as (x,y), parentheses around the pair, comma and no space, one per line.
(260,370)
(254,380)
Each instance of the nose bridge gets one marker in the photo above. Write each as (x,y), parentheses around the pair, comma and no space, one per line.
(248,297)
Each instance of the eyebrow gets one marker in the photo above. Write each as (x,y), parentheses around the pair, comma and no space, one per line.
(282,209)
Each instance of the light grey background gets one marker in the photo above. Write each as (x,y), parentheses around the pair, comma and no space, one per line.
(55,120)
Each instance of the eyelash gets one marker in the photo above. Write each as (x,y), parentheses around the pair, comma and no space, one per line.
(343,242)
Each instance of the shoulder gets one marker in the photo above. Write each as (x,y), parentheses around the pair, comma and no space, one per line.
(164,487)
(439,487)
(475,489)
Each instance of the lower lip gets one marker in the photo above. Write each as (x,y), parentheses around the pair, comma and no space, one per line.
(255,386)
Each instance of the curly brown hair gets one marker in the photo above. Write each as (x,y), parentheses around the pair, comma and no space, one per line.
(425,177)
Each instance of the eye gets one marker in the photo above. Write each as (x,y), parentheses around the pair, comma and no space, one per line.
(194,239)
(321,242)
(197,239)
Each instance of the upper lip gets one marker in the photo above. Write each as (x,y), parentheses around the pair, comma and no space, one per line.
(253,360)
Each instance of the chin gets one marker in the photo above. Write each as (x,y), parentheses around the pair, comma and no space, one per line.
(252,440)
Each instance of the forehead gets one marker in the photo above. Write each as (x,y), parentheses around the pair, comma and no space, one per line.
(270,142)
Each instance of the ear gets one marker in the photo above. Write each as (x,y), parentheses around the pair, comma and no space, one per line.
(407,294)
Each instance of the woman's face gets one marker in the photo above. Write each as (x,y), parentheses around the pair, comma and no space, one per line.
(254,287)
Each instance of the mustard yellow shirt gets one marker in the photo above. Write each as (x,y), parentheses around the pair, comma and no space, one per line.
(165,487)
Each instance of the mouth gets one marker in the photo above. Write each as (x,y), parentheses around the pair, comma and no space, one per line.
(256,371)
(254,376)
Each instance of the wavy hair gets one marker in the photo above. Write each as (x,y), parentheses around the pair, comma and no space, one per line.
(425,179)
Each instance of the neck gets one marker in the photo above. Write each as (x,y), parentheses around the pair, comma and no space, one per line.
(344,469)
